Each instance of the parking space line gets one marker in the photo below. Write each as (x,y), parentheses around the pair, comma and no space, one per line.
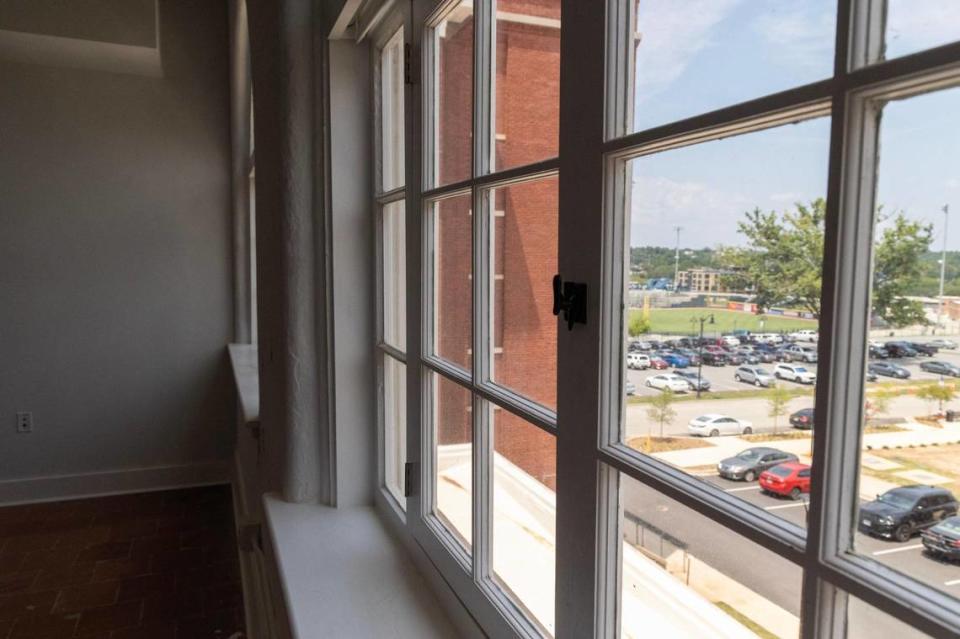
(893,550)
(740,490)
(952,582)
(782,506)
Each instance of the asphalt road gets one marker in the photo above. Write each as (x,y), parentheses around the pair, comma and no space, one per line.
(766,573)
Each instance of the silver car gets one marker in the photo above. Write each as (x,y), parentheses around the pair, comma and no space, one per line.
(753,375)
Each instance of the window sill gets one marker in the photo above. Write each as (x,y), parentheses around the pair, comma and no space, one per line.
(343,575)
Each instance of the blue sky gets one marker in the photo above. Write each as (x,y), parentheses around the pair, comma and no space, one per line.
(686,61)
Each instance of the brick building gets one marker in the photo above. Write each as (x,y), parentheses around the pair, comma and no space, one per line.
(524,218)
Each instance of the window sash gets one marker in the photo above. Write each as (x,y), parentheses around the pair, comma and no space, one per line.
(592,147)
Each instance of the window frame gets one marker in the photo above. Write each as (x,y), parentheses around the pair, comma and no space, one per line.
(594,144)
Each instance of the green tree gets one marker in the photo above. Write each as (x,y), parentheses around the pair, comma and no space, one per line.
(638,325)
(877,404)
(782,263)
(661,409)
(937,393)
(897,269)
(777,402)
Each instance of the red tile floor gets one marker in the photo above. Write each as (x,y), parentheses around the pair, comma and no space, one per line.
(160,565)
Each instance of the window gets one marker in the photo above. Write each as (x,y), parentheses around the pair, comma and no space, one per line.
(390,214)
(755,195)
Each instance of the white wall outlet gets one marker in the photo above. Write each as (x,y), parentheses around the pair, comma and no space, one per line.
(25,422)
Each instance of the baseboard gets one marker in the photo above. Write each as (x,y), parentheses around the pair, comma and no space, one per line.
(134,480)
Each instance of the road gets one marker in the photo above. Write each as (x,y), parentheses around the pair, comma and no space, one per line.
(766,573)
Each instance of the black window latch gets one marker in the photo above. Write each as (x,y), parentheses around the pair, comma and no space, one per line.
(571,298)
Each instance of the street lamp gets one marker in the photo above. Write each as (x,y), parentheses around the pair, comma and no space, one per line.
(703,319)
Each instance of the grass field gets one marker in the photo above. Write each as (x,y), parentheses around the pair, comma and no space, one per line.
(664,320)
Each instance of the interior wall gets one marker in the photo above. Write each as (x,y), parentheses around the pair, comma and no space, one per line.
(115,258)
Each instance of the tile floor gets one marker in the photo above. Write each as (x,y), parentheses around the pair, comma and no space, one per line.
(159,565)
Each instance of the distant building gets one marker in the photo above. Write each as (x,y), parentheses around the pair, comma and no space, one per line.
(702,280)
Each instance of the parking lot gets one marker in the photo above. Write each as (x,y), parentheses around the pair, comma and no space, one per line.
(722,377)
(908,557)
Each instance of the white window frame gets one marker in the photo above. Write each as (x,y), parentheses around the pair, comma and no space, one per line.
(594,143)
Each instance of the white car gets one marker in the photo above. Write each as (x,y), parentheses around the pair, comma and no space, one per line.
(638,361)
(730,340)
(767,338)
(802,353)
(806,335)
(715,424)
(668,381)
(794,373)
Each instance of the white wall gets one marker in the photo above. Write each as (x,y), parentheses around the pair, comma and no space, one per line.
(115,254)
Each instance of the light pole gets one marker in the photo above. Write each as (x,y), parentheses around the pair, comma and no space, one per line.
(943,265)
(703,319)
(676,260)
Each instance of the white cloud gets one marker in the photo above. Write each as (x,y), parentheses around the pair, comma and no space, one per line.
(952,183)
(918,24)
(789,196)
(672,34)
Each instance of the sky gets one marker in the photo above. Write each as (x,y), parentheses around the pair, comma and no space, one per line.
(685,62)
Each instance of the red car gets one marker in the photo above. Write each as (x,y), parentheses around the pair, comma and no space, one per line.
(658,364)
(789,479)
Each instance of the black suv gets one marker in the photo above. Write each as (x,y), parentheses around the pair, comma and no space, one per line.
(711,358)
(900,349)
(923,349)
(900,512)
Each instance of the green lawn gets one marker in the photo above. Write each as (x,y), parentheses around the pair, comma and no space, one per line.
(664,320)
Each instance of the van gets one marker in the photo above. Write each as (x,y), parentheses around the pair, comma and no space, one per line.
(638,361)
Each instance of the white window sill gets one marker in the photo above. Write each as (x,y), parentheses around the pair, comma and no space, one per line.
(343,575)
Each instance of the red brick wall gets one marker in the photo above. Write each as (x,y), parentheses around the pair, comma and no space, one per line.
(525,253)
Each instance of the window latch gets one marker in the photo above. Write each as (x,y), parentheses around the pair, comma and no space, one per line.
(571,299)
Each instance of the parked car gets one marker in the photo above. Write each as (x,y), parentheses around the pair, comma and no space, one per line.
(888,370)
(928,350)
(657,363)
(730,340)
(714,358)
(768,338)
(735,358)
(629,388)
(637,347)
(666,381)
(900,349)
(877,352)
(802,419)
(900,512)
(675,359)
(694,379)
(805,335)
(748,464)
(784,354)
(714,424)
(946,344)
(940,368)
(790,479)
(636,361)
(748,355)
(802,353)
(691,355)
(753,375)
(794,373)
(943,540)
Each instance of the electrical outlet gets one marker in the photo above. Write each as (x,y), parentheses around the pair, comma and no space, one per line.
(25,422)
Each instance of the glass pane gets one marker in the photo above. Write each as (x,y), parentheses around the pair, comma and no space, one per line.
(395,275)
(695,58)
(394,425)
(524,513)
(915,25)
(527,83)
(453,44)
(391,113)
(686,576)
(721,305)
(452,279)
(909,478)
(453,485)
(524,222)
(864,620)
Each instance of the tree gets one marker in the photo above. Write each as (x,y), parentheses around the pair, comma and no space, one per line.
(777,401)
(782,263)
(937,393)
(638,325)
(897,269)
(661,409)
(877,404)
